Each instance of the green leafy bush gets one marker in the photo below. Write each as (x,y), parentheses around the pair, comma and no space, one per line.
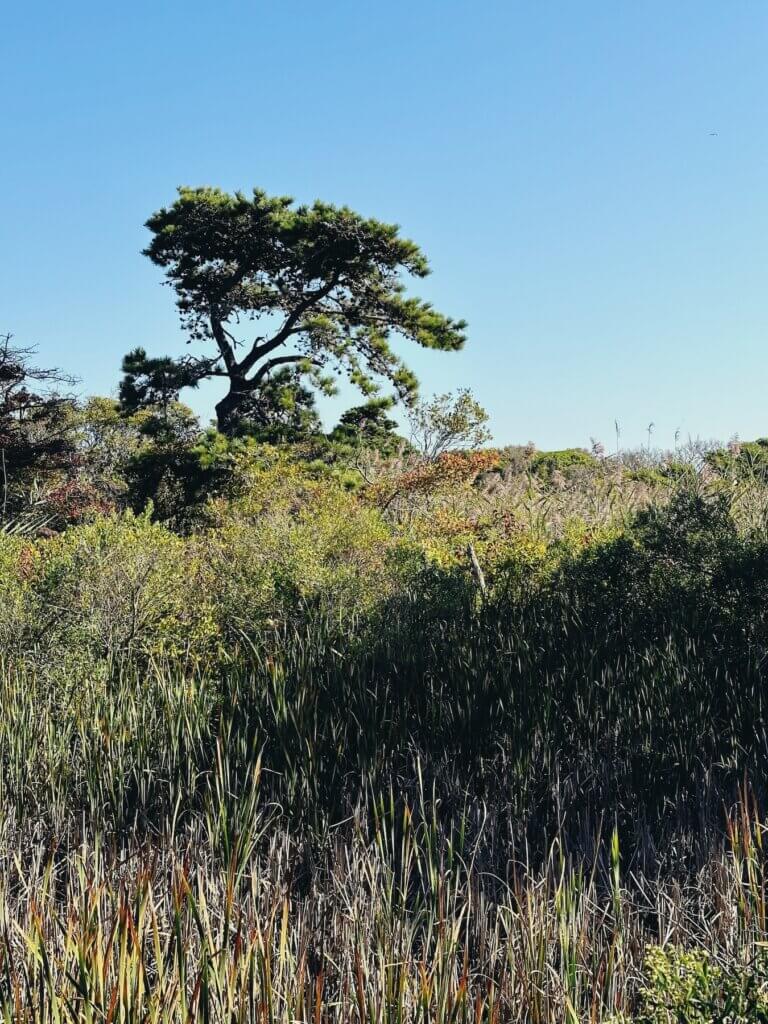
(123,585)
(661,475)
(744,460)
(687,987)
(684,563)
(296,537)
(546,464)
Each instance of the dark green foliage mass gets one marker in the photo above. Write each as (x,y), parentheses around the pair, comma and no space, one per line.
(153,382)
(35,424)
(280,411)
(369,426)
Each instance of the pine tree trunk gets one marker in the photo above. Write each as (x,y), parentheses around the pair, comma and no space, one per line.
(227,409)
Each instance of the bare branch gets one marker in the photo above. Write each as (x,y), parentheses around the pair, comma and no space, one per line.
(289,327)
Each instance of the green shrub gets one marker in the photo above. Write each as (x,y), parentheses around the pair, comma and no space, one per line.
(684,564)
(686,986)
(123,585)
(546,464)
(745,460)
(296,537)
(661,475)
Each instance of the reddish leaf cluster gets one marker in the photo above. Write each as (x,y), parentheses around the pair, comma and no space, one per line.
(77,500)
(448,469)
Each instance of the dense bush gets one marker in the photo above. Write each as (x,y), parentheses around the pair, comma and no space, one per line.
(546,464)
(687,986)
(684,565)
(741,459)
(123,586)
(629,654)
(295,539)
(291,539)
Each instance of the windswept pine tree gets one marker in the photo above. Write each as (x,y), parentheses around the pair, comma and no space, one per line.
(264,284)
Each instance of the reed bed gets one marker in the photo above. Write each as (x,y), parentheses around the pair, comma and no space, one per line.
(394,920)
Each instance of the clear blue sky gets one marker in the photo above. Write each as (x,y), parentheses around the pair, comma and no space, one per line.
(553,158)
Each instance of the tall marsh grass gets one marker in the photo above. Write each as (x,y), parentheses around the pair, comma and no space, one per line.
(395,916)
